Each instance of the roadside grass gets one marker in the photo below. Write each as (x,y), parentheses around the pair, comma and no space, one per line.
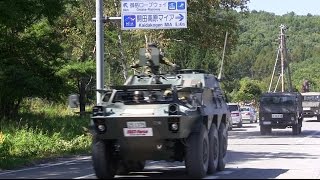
(42,130)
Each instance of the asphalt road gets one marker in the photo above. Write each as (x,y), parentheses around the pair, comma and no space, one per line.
(279,155)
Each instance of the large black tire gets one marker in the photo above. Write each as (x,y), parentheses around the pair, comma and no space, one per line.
(300,125)
(197,153)
(299,130)
(223,146)
(265,130)
(213,149)
(103,163)
(295,129)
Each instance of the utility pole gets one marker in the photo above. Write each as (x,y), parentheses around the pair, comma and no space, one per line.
(282,49)
(284,64)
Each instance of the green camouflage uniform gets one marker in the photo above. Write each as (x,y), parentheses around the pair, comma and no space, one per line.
(154,69)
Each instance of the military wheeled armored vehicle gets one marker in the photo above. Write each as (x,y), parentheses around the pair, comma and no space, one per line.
(179,116)
(280,110)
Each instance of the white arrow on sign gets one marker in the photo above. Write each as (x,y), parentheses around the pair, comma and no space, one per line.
(180,17)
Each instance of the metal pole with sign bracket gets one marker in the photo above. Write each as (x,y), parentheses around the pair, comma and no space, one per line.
(99,20)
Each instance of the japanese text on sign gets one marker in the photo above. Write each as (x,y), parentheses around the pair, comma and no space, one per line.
(150,14)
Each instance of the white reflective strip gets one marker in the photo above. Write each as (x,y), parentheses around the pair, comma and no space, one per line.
(86,176)
(44,166)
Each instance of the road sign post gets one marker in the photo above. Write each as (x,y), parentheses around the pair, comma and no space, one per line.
(99,49)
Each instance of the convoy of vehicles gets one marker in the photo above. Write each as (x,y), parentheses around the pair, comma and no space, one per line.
(177,116)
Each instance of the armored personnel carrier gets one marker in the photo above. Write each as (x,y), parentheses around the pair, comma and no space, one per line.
(178,116)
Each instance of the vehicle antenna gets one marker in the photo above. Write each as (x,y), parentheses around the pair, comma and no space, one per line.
(224,49)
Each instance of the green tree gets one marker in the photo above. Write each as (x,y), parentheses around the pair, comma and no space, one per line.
(78,31)
(30,52)
(250,91)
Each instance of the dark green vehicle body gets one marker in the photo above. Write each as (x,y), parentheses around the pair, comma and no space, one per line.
(280,110)
(172,121)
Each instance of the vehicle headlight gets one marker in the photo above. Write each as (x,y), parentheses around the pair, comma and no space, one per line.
(174,126)
(173,109)
(101,127)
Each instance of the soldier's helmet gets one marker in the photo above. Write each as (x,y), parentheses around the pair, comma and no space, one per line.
(138,95)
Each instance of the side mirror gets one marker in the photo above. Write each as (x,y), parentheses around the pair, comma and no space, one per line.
(73,101)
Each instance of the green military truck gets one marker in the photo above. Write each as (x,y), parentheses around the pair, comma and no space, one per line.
(280,110)
(311,105)
(181,116)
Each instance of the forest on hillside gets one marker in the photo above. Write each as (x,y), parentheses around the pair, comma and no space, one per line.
(47,48)
(256,50)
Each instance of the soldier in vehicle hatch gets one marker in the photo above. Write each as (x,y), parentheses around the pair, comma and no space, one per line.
(306,86)
(154,69)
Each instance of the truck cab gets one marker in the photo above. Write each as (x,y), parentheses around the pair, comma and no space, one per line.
(280,110)
(311,105)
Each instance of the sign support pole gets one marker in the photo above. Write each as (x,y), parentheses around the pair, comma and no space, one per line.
(99,49)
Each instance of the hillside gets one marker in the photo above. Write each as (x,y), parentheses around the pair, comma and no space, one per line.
(256,51)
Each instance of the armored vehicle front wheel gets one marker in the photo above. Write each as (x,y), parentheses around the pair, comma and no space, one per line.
(213,149)
(103,163)
(223,145)
(197,153)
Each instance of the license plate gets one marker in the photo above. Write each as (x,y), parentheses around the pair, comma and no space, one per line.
(266,122)
(136,124)
(134,132)
(277,115)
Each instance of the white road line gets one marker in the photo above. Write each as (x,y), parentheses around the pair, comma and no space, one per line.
(211,177)
(224,172)
(44,166)
(84,177)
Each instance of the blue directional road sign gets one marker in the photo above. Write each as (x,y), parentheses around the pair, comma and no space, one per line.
(153,14)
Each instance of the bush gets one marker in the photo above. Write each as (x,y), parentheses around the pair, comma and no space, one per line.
(45,131)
